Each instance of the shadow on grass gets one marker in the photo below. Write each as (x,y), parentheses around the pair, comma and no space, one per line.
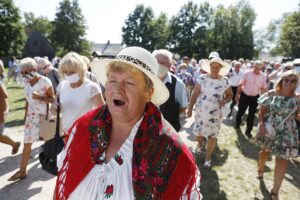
(210,187)
(293,172)
(247,148)
(14,87)
(16,109)
(20,100)
(264,190)
(14,123)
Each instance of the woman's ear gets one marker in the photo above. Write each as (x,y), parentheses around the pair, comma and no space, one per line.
(150,93)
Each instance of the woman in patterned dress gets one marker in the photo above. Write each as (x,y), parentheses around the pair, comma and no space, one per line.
(275,106)
(125,149)
(38,93)
(211,92)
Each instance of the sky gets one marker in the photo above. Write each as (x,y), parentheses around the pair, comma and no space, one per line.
(105,18)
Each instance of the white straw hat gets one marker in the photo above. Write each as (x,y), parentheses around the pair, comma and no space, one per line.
(225,66)
(142,60)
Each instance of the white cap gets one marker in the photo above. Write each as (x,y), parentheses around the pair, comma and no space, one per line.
(213,54)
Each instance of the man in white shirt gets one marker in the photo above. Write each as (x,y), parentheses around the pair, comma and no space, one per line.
(234,77)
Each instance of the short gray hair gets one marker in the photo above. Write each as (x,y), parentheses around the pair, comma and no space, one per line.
(28,63)
(163,52)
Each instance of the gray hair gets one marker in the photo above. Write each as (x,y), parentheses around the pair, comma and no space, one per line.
(163,52)
(258,63)
(28,63)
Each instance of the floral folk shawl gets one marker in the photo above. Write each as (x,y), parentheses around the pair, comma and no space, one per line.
(162,167)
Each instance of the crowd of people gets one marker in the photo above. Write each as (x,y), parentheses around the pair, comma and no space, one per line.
(121,118)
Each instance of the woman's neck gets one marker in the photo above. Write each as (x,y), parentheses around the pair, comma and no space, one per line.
(286,93)
(214,76)
(34,80)
(76,85)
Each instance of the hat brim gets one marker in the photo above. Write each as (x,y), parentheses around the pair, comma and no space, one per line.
(297,69)
(205,66)
(161,92)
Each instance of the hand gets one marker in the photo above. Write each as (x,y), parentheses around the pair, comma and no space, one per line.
(36,96)
(262,130)
(297,117)
(189,113)
(237,98)
(222,103)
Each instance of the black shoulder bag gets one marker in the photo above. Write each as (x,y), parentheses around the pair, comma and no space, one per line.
(52,148)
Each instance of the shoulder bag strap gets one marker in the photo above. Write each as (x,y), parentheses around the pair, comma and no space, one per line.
(57,131)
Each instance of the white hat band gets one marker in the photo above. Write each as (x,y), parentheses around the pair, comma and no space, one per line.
(135,61)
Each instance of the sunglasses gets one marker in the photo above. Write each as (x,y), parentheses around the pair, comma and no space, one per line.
(290,80)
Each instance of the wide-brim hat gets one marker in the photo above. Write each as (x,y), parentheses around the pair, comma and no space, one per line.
(142,60)
(224,69)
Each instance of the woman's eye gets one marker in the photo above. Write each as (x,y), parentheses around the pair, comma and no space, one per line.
(130,83)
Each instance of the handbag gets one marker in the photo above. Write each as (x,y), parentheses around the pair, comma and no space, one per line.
(47,126)
(225,110)
(51,149)
(271,131)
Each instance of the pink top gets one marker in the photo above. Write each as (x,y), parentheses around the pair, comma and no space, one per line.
(252,83)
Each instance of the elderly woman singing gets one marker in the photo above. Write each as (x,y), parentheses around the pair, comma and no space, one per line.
(126,149)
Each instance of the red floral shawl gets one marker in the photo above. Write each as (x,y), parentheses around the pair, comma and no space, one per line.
(162,167)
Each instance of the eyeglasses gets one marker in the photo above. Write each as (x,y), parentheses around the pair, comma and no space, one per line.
(290,80)
(45,66)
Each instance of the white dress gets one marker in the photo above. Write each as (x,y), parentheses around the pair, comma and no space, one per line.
(35,108)
(208,117)
(75,102)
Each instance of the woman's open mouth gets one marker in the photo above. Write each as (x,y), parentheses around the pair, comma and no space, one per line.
(118,102)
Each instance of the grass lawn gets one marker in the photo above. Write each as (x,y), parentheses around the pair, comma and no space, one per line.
(234,171)
(16,99)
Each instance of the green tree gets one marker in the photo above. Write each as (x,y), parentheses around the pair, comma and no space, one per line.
(201,42)
(289,43)
(138,29)
(160,32)
(41,24)
(69,29)
(182,30)
(246,19)
(231,32)
(12,35)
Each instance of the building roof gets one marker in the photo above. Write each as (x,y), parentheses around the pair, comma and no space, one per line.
(107,49)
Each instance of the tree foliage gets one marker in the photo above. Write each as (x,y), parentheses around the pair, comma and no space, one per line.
(195,30)
(69,29)
(138,29)
(289,43)
(183,27)
(12,35)
(41,24)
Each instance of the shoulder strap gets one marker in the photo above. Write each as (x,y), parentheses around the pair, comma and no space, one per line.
(55,78)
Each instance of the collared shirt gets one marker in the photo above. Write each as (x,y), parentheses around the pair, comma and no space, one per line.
(180,94)
(235,78)
(252,83)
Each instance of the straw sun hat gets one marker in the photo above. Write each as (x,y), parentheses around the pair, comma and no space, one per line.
(224,69)
(142,60)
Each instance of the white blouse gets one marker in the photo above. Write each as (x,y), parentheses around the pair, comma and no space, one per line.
(112,180)
(75,102)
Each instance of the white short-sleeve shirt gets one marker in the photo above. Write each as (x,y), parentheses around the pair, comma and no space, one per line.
(75,102)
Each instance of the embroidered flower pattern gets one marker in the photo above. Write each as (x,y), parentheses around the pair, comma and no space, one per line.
(109,191)
(119,159)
